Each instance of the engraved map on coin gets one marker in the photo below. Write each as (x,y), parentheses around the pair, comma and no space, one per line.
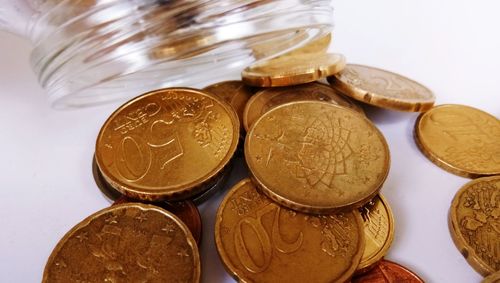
(461,139)
(126,243)
(475,218)
(150,143)
(317,154)
(260,241)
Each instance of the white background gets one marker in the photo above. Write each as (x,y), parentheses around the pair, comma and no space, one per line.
(46,183)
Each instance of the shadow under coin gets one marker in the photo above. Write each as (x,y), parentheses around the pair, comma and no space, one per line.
(109,193)
(383,116)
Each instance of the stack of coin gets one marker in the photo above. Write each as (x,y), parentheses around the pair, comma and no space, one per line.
(311,209)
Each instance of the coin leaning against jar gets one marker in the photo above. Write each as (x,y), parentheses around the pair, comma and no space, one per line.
(146,149)
(317,157)
(126,242)
(260,241)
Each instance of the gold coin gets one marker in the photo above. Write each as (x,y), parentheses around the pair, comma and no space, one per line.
(260,241)
(316,156)
(126,243)
(379,231)
(474,221)
(236,93)
(293,70)
(493,278)
(269,98)
(460,139)
(168,144)
(318,45)
(383,88)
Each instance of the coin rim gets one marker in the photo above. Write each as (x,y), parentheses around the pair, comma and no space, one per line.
(144,207)
(261,79)
(316,209)
(465,250)
(173,192)
(371,262)
(233,271)
(264,92)
(440,162)
(380,100)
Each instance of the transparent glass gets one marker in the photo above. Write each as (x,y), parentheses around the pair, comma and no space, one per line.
(93,51)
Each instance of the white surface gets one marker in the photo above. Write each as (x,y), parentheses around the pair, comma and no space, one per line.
(46,183)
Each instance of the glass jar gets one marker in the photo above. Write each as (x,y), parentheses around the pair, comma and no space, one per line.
(94,51)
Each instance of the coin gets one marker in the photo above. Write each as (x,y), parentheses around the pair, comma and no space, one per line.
(379,231)
(269,98)
(236,93)
(129,242)
(260,241)
(388,272)
(318,45)
(382,88)
(167,144)
(186,210)
(493,278)
(317,157)
(293,70)
(475,224)
(460,139)
(109,192)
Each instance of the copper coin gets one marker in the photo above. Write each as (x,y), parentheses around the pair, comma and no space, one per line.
(236,93)
(474,222)
(493,278)
(293,70)
(261,241)
(317,157)
(167,144)
(185,210)
(269,98)
(383,88)
(460,139)
(130,242)
(388,272)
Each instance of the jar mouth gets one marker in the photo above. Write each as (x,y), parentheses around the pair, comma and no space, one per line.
(113,51)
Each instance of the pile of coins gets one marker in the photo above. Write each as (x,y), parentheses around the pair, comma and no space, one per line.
(311,209)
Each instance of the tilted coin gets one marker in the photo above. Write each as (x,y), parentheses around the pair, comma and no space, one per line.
(168,144)
(460,139)
(126,243)
(474,221)
(317,157)
(493,278)
(293,70)
(379,231)
(260,241)
(236,93)
(383,88)
(388,272)
(186,211)
(269,98)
